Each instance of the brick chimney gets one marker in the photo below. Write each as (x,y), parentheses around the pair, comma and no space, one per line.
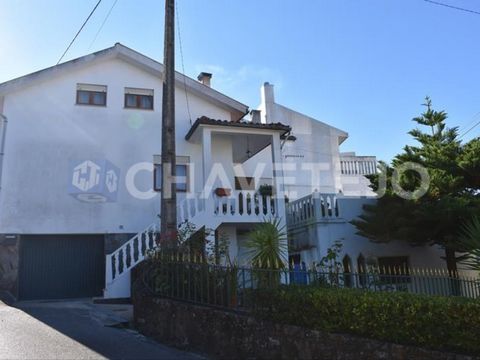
(205,78)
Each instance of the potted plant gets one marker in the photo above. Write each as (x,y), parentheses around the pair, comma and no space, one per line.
(265,190)
(223,192)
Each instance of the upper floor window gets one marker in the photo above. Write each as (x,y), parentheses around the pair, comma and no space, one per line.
(88,94)
(139,98)
(182,173)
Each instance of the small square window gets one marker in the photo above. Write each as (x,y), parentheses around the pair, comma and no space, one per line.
(83,97)
(181,171)
(130,100)
(99,98)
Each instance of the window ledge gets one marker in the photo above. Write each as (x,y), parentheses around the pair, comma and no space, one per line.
(94,105)
(135,108)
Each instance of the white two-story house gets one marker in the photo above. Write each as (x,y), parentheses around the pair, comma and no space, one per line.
(79,174)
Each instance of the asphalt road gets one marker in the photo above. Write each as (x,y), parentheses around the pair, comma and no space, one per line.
(74,330)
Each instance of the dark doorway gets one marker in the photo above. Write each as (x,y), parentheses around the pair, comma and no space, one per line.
(61,266)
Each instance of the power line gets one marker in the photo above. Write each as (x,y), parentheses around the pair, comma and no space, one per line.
(452,7)
(103,23)
(473,127)
(474,118)
(79,31)
(183,65)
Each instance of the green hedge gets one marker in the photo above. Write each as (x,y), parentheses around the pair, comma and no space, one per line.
(430,321)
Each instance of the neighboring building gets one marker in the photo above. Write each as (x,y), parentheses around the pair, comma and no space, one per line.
(79,174)
(326,190)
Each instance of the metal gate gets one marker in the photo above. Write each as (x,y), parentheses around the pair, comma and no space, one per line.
(61,266)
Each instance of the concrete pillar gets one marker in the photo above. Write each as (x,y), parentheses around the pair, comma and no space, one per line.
(206,155)
(278,180)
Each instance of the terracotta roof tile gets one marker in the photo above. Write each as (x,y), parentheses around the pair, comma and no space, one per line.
(246,124)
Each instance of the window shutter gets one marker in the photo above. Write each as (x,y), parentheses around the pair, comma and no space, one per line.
(90,87)
(136,91)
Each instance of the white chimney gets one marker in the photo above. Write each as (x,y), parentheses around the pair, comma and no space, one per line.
(268,96)
(205,78)
(267,104)
(256,116)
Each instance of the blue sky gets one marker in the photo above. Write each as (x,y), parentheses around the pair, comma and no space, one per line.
(361,65)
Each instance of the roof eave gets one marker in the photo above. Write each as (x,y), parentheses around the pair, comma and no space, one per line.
(201,122)
(135,58)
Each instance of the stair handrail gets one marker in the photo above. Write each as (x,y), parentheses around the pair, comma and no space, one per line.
(147,245)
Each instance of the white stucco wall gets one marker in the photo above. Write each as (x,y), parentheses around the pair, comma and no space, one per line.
(353,245)
(356,185)
(312,161)
(47,130)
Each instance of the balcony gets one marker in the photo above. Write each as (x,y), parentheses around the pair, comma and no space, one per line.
(350,164)
(313,208)
(239,206)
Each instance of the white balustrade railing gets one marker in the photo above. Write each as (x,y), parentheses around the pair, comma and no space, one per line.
(190,207)
(241,204)
(314,207)
(358,165)
(131,253)
(244,204)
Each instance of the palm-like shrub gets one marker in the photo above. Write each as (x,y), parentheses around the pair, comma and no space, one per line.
(470,239)
(267,246)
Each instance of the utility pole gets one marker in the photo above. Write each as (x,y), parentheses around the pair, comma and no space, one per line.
(168,204)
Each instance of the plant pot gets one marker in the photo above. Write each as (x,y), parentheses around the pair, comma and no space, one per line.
(222,192)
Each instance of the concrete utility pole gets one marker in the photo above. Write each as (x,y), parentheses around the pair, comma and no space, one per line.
(168,206)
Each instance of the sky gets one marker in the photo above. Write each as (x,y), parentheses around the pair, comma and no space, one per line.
(364,66)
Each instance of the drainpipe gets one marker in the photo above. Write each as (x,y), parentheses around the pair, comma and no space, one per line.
(3,135)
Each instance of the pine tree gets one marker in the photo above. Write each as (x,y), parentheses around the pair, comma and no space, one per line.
(451,199)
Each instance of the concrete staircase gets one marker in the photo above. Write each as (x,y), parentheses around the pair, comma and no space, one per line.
(240,207)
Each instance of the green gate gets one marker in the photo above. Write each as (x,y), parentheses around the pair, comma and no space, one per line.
(61,266)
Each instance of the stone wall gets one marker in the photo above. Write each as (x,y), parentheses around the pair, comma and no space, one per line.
(9,259)
(230,335)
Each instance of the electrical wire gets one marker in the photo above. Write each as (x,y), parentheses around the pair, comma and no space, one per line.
(472,121)
(452,7)
(103,23)
(466,132)
(474,118)
(79,31)
(183,65)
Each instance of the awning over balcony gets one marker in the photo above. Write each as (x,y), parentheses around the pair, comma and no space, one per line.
(247,138)
(283,129)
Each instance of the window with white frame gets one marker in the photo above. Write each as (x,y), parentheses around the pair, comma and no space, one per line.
(138,98)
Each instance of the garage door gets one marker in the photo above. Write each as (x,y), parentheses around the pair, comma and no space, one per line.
(61,266)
